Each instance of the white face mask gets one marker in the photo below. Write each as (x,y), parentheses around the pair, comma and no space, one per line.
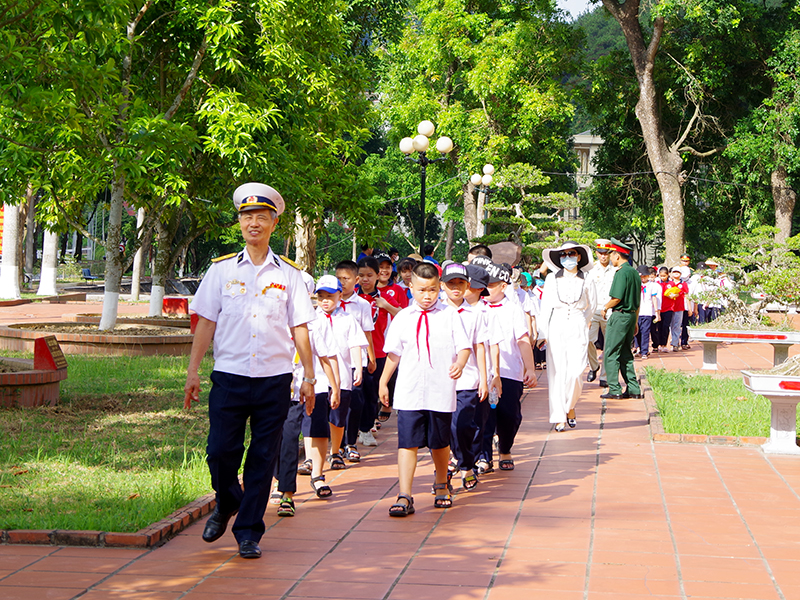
(569,262)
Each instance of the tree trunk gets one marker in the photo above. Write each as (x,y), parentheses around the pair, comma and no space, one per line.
(470,211)
(47,278)
(480,212)
(305,243)
(160,268)
(113,275)
(664,159)
(10,273)
(784,198)
(30,234)
(449,240)
(137,259)
(63,240)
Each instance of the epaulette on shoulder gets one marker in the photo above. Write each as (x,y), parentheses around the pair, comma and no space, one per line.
(290,262)
(226,257)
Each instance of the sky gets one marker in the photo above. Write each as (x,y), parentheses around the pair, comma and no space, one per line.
(575,7)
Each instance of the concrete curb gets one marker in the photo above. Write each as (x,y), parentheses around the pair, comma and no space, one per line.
(149,537)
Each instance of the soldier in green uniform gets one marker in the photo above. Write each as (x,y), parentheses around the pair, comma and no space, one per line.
(621,327)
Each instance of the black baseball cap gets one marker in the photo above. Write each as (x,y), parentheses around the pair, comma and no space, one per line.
(454,271)
(478,278)
(499,273)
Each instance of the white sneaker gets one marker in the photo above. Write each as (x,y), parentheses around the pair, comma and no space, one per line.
(367,439)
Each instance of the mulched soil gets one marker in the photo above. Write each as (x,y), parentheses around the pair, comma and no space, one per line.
(120,329)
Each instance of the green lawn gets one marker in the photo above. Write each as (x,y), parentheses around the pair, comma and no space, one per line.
(701,404)
(118,452)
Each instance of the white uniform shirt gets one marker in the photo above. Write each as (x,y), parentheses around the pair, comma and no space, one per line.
(426,351)
(346,334)
(509,321)
(474,321)
(526,302)
(601,278)
(253,306)
(361,311)
(650,290)
(320,333)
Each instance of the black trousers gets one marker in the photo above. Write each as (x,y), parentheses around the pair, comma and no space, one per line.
(290,449)
(505,419)
(464,429)
(233,400)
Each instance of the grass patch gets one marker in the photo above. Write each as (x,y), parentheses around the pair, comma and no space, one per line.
(118,452)
(705,405)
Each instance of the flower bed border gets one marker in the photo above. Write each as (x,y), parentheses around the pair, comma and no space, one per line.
(151,536)
(657,433)
(12,337)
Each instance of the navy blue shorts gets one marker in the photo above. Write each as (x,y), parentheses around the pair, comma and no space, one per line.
(423,428)
(338,416)
(316,425)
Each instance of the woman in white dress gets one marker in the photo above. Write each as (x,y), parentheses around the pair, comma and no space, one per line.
(566,311)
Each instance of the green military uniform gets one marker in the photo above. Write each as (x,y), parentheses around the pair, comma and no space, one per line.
(621,326)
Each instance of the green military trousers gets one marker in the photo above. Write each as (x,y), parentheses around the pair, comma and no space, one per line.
(617,354)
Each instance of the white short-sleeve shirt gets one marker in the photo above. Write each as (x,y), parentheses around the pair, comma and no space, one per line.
(474,321)
(253,307)
(320,332)
(509,320)
(426,351)
(361,311)
(346,335)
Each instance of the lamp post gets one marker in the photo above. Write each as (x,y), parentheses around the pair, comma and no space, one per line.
(420,144)
(482,182)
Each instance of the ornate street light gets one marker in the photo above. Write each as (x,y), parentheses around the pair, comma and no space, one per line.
(420,144)
(482,182)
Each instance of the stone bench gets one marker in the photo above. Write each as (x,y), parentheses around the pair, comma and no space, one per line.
(711,338)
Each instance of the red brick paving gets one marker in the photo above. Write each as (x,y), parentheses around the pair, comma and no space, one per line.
(595,513)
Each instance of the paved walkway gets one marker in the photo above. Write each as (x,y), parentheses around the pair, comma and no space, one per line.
(598,512)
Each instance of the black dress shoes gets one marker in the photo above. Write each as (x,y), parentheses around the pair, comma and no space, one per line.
(629,395)
(249,549)
(591,375)
(216,525)
(603,383)
(610,396)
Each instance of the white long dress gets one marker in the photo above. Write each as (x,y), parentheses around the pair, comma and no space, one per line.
(568,303)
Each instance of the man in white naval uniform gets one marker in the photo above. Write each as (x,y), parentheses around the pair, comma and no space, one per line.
(255,307)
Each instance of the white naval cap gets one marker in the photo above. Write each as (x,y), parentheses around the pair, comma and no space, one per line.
(252,196)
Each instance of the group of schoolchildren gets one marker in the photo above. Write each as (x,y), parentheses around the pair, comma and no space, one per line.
(448,349)
(667,308)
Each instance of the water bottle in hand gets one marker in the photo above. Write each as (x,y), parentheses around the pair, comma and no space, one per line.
(493,397)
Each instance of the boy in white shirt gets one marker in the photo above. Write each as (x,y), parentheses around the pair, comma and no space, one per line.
(350,340)
(428,343)
(311,421)
(360,309)
(516,368)
(472,386)
(649,310)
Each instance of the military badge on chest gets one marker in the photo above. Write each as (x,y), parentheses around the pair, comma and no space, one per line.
(234,288)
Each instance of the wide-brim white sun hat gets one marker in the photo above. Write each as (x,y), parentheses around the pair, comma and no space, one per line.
(552,256)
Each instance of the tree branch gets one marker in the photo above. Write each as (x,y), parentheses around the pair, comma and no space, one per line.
(75,225)
(190,77)
(699,154)
(652,47)
(688,128)
(19,17)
